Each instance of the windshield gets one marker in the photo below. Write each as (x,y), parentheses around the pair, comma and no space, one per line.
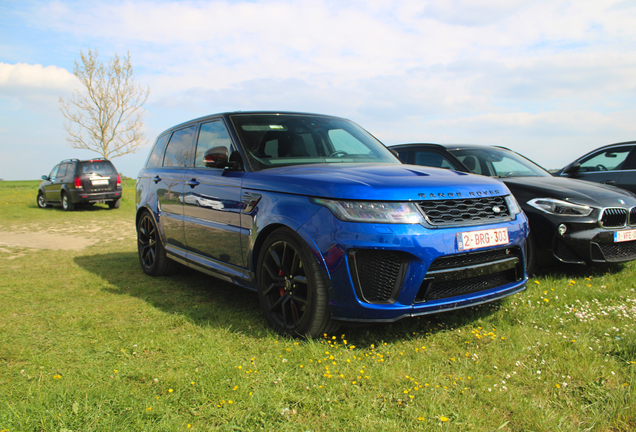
(498,162)
(274,140)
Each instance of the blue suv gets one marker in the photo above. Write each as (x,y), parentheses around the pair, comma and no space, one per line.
(324,222)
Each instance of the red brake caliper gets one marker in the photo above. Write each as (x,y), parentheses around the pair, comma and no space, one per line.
(281,290)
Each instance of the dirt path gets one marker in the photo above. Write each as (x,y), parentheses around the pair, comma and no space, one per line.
(40,240)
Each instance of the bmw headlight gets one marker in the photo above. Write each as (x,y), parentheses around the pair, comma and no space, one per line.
(371,211)
(560,208)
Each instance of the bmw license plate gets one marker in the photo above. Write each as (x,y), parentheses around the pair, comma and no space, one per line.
(621,236)
(481,239)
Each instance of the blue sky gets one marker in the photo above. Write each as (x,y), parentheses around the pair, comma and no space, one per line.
(550,79)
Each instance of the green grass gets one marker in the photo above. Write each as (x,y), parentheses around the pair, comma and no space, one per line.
(89,342)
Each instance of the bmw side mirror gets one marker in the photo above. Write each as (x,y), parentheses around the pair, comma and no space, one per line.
(572,168)
(217,157)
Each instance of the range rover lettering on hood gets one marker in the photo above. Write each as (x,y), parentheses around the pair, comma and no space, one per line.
(459,194)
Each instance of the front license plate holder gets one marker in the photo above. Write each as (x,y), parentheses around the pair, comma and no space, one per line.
(482,238)
(624,235)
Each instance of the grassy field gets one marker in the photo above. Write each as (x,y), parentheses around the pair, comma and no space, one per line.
(88,342)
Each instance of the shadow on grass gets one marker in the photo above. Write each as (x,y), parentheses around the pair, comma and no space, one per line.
(202,299)
(207,301)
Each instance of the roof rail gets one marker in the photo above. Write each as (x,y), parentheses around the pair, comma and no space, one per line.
(70,160)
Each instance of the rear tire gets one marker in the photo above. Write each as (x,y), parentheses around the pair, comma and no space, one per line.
(114,204)
(67,204)
(152,254)
(41,200)
(291,289)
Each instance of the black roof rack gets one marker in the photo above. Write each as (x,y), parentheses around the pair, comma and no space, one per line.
(70,160)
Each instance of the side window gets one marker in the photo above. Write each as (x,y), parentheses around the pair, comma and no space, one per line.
(180,148)
(212,135)
(405,156)
(53,174)
(62,171)
(343,141)
(607,160)
(155,158)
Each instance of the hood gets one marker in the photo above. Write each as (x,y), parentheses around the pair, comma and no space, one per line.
(377,182)
(575,191)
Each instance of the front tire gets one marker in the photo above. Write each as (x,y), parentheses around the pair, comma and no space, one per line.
(291,289)
(67,204)
(41,200)
(152,254)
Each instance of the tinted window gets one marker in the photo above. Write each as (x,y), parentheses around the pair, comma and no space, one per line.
(156,157)
(432,159)
(180,148)
(212,135)
(62,171)
(607,160)
(104,168)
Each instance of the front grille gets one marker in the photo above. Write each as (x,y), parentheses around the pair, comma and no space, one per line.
(614,218)
(622,251)
(453,261)
(467,286)
(377,275)
(455,275)
(632,216)
(469,210)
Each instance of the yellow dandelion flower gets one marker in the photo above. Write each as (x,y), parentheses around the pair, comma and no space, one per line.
(149,409)
(170,390)
(443,419)
(537,282)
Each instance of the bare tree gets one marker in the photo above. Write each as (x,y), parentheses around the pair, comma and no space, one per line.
(106,115)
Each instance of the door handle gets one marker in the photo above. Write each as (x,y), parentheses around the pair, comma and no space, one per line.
(157,179)
(192,183)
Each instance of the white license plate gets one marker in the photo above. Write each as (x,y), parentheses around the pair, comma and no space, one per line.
(621,236)
(481,239)
(99,182)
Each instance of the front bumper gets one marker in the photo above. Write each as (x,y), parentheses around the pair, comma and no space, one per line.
(385,272)
(593,245)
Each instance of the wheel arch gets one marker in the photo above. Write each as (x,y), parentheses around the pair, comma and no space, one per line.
(303,236)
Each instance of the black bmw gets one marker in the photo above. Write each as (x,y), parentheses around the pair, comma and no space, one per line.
(571,220)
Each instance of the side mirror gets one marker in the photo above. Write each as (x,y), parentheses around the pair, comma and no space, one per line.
(44,177)
(572,168)
(217,157)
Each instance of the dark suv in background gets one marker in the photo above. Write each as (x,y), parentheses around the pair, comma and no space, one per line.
(73,181)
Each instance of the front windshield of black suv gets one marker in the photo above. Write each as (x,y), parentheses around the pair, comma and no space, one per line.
(498,162)
(274,140)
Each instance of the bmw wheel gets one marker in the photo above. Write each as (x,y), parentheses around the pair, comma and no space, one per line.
(291,289)
(152,254)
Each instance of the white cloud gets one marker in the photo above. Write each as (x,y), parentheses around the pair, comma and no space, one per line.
(22,75)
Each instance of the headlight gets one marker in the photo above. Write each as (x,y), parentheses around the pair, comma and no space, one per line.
(370,211)
(560,208)
(513,205)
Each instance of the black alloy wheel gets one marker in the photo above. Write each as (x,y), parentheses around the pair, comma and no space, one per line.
(152,254)
(292,291)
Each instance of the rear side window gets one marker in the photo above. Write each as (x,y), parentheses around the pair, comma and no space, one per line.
(103,168)
(180,148)
(62,171)
(156,157)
